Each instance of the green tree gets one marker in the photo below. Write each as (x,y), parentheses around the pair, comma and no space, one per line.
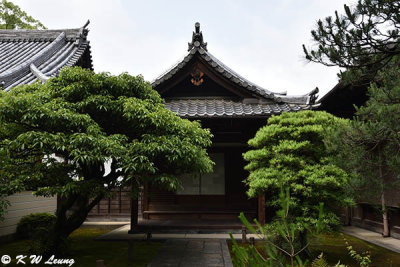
(363,40)
(284,250)
(289,152)
(286,228)
(12,17)
(369,146)
(57,138)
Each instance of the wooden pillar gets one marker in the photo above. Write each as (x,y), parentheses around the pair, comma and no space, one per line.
(134,214)
(348,215)
(261,209)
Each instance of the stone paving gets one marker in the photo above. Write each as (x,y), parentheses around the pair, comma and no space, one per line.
(121,234)
(390,243)
(193,253)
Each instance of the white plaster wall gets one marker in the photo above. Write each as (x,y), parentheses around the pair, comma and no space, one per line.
(22,204)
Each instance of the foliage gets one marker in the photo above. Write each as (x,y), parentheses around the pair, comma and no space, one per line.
(321,262)
(363,260)
(369,146)
(285,227)
(289,152)
(12,17)
(29,225)
(281,239)
(82,134)
(363,40)
(4,203)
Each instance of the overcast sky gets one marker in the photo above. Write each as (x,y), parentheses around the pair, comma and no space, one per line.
(261,40)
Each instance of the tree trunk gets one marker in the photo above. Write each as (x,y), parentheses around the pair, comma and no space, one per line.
(261,209)
(55,242)
(385,216)
(383,201)
(134,215)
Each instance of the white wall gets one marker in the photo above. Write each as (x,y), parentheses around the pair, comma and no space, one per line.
(22,204)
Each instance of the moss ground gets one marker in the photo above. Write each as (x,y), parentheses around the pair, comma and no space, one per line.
(85,250)
(333,246)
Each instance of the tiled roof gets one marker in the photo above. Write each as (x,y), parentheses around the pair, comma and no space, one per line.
(28,55)
(199,48)
(203,108)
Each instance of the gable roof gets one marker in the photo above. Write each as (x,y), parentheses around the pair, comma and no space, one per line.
(30,55)
(198,48)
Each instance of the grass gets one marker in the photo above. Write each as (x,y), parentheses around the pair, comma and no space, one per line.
(333,247)
(85,250)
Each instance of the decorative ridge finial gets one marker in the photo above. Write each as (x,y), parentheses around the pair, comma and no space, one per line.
(86,24)
(197,38)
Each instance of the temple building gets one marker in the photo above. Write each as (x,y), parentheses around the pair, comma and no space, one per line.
(200,87)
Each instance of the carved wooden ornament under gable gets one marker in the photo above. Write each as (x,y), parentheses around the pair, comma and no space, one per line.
(197,76)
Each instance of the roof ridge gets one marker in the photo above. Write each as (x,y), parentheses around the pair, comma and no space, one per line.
(18,35)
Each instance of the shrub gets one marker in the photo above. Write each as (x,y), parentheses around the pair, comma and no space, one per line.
(30,224)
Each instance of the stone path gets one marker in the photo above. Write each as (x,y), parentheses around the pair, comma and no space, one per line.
(390,243)
(121,234)
(193,253)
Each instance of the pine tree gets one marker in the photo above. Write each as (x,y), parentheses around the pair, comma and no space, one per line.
(289,152)
(362,41)
(369,146)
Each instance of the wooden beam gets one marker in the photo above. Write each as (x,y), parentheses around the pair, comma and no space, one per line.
(261,209)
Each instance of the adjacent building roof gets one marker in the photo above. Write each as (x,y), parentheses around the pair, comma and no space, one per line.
(265,102)
(30,55)
(342,99)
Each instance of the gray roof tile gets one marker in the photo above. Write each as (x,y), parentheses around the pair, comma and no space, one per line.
(26,55)
(203,108)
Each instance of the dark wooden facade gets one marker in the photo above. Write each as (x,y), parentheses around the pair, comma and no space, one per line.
(162,204)
(116,207)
